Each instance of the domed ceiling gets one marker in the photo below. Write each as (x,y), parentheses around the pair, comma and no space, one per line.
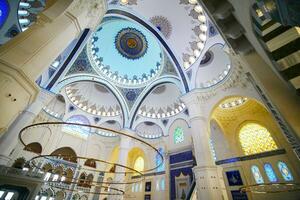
(125,53)
(183,24)
(147,53)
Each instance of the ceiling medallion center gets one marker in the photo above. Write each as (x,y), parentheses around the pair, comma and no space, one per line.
(131,43)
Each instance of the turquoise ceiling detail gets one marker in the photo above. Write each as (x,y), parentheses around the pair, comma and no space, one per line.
(125,52)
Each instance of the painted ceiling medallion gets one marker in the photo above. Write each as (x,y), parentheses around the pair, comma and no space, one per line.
(163,25)
(125,53)
(131,43)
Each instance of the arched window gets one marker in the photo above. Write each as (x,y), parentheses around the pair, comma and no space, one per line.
(178,135)
(77,130)
(255,138)
(159,160)
(270,173)
(81,180)
(157,185)
(285,171)
(212,149)
(162,184)
(136,187)
(257,175)
(139,164)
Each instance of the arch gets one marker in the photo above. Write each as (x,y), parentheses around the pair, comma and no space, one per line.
(136,159)
(90,163)
(60,195)
(218,101)
(47,167)
(149,130)
(146,93)
(89,180)
(77,130)
(59,170)
(69,173)
(19,163)
(56,107)
(139,164)
(82,179)
(66,153)
(227,121)
(34,147)
(219,142)
(95,79)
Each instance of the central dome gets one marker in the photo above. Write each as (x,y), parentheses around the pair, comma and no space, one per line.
(125,52)
(131,43)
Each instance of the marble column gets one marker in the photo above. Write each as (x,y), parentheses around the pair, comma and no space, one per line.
(206,172)
(26,56)
(123,155)
(9,140)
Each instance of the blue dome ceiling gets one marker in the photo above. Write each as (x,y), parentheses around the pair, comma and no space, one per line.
(125,52)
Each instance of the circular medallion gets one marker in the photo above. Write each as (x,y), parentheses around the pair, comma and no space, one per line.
(131,43)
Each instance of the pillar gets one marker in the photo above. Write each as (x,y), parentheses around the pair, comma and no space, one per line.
(206,172)
(10,139)
(123,155)
(26,56)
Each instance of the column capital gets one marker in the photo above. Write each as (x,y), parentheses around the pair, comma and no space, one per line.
(43,98)
(195,102)
(89,13)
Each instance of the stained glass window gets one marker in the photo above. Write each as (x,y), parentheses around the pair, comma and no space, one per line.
(159,160)
(178,135)
(212,148)
(270,173)
(285,171)
(257,175)
(162,184)
(255,138)
(139,164)
(77,130)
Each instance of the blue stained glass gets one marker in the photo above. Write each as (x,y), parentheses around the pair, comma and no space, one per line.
(257,175)
(270,173)
(158,160)
(285,171)
(4,12)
